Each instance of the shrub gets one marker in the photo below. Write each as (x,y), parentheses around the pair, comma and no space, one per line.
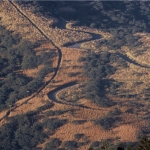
(130,110)
(53,144)
(78,136)
(106,122)
(78,121)
(114,112)
(81,59)
(55,113)
(95,144)
(70,145)
(70,74)
(46,106)
(54,123)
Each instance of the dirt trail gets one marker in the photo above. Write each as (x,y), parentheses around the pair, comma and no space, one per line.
(52,94)
(58,63)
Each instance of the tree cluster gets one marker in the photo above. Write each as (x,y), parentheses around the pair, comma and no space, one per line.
(16,55)
(134,15)
(143,144)
(27,131)
(97,67)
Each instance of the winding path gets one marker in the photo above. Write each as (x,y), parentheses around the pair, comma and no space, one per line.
(42,32)
(58,63)
(52,94)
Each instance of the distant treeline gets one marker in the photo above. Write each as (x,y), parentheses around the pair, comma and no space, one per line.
(133,15)
(121,18)
(142,144)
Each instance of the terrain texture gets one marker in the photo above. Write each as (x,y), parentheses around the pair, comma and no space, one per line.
(59,109)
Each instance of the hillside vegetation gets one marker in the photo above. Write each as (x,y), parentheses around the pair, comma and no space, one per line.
(85,75)
(17,55)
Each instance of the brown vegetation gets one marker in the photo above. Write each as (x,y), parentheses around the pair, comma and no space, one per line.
(71,70)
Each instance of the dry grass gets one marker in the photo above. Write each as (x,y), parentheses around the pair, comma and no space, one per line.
(143,50)
(126,130)
(93,44)
(69,60)
(126,133)
(14,21)
(61,36)
(32,72)
(87,29)
(43,47)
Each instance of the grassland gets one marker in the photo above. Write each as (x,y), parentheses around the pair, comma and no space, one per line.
(133,111)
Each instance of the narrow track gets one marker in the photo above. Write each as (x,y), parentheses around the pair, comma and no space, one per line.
(94,37)
(52,94)
(42,32)
(58,63)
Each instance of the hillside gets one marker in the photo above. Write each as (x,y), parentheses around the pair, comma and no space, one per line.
(73,74)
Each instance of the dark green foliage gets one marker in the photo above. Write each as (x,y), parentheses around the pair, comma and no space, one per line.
(53,144)
(129,147)
(130,110)
(97,67)
(27,131)
(29,62)
(107,122)
(95,144)
(70,145)
(78,121)
(17,54)
(22,132)
(81,59)
(47,106)
(45,70)
(143,144)
(54,123)
(133,16)
(55,113)
(78,136)
(114,112)
(45,57)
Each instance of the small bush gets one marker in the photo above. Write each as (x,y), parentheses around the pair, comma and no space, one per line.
(71,74)
(53,144)
(81,59)
(55,113)
(78,136)
(46,106)
(54,123)
(78,121)
(130,110)
(114,112)
(106,122)
(70,145)
(95,144)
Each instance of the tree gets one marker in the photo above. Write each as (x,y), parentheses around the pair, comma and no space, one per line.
(13,97)
(29,62)
(144,144)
